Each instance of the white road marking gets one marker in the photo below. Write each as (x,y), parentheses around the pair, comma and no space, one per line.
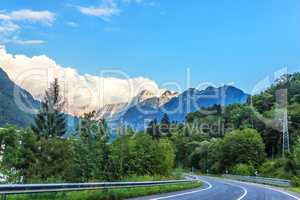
(290,195)
(187,193)
(244,189)
(270,188)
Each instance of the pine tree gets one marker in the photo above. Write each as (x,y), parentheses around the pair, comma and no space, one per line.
(165,125)
(51,121)
(153,129)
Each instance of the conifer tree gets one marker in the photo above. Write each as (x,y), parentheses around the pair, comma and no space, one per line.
(50,120)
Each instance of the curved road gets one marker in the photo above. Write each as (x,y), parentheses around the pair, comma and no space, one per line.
(224,189)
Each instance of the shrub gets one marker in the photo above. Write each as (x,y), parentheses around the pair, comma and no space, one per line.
(280,168)
(296,181)
(243,170)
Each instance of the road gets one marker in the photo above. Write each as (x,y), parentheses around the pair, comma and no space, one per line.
(221,189)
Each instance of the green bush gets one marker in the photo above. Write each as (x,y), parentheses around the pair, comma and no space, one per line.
(243,170)
(279,168)
(295,181)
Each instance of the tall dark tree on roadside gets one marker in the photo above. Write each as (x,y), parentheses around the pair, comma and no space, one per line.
(165,125)
(153,129)
(51,121)
(49,126)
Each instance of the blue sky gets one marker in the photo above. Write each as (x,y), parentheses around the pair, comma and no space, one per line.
(221,41)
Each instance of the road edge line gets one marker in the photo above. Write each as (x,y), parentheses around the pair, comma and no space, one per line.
(265,187)
(187,193)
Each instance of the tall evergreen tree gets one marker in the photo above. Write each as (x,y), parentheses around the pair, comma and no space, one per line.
(165,125)
(51,121)
(153,129)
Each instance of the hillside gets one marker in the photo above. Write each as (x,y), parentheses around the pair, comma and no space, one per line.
(12,98)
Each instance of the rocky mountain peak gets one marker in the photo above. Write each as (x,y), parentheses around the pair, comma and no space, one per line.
(143,95)
(167,96)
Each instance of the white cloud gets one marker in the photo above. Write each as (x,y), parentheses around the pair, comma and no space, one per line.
(7,27)
(43,17)
(72,24)
(3,16)
(105,11)
(82,92)
(10,28)
(133,1)
(140,2)
(28,42)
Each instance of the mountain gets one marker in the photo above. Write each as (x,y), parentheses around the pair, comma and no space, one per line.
(143,108)
(111,110)
(145,98)
(167,96)
(13,99)
(17,106)
(178,106)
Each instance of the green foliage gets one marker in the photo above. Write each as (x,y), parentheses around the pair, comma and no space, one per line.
(199,158)
(243,170)
(167,157)
(53,160)
(297,151)
(90,151)
(295,181)
(218,155)
(279,168)
(158,130)
(153,130)
(51,121)
(141,155)
(243,146)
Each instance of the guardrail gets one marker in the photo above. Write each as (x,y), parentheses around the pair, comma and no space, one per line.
(9,189)
(261,180)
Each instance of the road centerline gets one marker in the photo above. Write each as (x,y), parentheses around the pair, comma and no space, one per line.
(241,187)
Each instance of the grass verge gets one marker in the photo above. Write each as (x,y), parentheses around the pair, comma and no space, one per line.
(111,194)
(297,190)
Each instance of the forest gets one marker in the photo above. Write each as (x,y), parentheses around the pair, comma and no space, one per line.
(234,139)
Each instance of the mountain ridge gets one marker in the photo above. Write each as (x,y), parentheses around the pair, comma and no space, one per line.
(143,108)
(178,107)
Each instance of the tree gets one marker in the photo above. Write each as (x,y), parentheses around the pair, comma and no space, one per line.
(168,157)
(90,161)
(199,157)
(153,129)
(28,147)
(53,160)
(51,121)
(165,125)
(53,153)
(297,151)
(10,153)
(243,146)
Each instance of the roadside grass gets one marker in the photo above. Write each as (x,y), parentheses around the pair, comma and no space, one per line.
(149,178)
(109,194)
(297,190)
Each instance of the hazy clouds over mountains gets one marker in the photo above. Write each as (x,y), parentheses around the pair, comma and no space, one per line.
(82,92)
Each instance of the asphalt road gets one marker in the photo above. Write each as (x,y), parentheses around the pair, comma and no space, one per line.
(220,189)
